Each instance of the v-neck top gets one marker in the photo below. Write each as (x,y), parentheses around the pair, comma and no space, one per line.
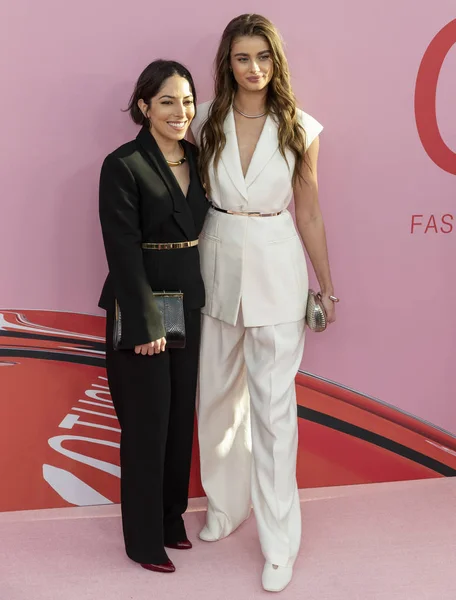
(257,263)
(191,169)
(267,185)
(254,149)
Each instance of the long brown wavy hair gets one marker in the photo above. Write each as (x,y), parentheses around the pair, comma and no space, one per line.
(280,100)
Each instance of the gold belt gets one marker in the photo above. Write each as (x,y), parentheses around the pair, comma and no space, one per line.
(169,245)
(246,214)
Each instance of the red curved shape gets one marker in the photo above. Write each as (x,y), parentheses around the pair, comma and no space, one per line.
(425,99)
(330,457)
(52,373)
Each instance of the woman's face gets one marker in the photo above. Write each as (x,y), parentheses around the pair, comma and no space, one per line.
(171,111)
(251,62)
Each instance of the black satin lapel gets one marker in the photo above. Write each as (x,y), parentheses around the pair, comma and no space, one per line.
(196,196)
(182,213)
(155,157)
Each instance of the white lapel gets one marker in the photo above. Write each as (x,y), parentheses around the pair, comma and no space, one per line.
(267,146)
(231,157)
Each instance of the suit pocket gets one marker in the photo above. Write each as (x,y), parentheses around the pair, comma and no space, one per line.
(285,240)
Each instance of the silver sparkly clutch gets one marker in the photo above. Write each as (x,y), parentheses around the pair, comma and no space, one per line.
(315,312)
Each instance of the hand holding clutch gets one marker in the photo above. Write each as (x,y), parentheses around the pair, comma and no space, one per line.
(171,307)
(152,347)
(320,311)
(328,304)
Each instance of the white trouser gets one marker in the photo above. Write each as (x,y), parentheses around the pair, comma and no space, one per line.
(248,432)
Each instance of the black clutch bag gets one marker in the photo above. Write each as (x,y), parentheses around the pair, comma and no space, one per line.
(171,307)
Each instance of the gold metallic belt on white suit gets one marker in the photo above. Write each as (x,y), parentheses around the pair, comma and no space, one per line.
(246,214)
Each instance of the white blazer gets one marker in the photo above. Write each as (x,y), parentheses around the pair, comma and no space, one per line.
(254,261)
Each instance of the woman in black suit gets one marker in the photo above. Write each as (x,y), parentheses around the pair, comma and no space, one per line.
(150,193)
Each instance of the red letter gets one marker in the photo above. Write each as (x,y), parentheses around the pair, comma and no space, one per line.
(425,93)
(413,222)
(431,225)
(450,225)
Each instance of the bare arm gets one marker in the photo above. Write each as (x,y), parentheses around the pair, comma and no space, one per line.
(311,228)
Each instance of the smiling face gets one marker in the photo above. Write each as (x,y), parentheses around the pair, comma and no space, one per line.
(251,62)
(171,111)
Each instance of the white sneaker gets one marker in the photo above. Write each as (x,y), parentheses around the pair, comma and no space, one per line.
(206,535)
(275,578)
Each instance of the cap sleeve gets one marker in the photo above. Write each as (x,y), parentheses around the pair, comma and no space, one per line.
(311,126)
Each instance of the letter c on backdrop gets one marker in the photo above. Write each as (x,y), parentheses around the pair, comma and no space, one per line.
(425,99)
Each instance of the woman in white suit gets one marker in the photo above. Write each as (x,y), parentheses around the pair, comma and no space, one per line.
(257,150)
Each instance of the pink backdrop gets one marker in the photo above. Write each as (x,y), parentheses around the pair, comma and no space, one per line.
(68,69)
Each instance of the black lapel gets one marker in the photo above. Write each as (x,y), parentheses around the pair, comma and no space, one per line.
(196,197)
(182,212)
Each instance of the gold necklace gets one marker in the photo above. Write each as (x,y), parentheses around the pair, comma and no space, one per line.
(177,163)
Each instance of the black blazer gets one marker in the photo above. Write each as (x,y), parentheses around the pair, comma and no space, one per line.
(141,201)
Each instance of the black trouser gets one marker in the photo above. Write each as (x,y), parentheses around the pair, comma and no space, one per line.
(154,397)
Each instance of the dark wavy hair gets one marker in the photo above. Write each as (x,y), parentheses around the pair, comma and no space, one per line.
(281,101)
(150,83)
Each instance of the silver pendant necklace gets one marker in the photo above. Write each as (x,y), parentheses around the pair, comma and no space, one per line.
(248,116)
